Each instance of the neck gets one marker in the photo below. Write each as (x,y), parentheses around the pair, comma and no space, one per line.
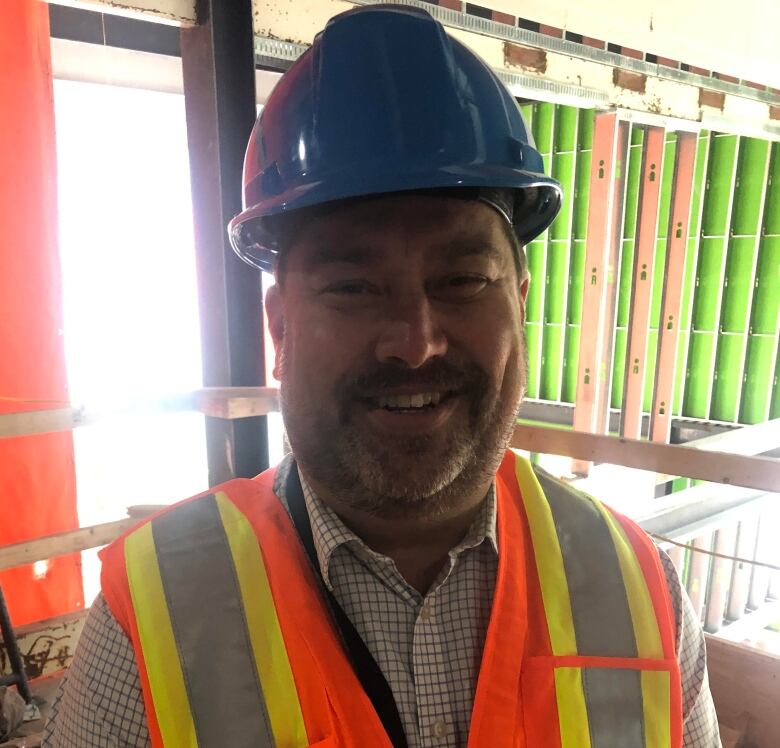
(418,546)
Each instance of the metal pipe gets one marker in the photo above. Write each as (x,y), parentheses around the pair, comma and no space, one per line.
(19,677)
(720,578)
(740,581)
(698,572)
(759,581)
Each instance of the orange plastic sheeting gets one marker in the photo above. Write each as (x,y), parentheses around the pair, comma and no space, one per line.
(37,475)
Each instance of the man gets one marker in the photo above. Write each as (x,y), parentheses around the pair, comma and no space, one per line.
(400,579)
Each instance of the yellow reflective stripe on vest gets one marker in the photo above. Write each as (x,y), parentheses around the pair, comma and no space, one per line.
(157,640)
(656,699)
(209,634)
(281,696)
(597,603)
(572,711)
(643,617)
(549,561)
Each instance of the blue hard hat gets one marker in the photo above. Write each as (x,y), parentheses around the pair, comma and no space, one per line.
(383,102)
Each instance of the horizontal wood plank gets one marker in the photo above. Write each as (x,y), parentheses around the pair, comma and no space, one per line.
(762,473)
(62,543)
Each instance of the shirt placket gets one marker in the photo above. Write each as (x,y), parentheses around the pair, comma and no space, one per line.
(436,725)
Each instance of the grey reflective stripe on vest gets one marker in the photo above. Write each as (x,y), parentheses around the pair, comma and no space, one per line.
(602,618)
(614,701)
(209,625)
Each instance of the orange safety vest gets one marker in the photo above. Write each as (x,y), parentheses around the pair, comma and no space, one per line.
(235,646)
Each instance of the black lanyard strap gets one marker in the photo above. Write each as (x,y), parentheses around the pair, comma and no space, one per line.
(368,673)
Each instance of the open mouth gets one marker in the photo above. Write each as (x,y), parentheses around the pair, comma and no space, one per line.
(417,402)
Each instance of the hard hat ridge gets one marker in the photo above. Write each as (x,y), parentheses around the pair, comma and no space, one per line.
(385,101)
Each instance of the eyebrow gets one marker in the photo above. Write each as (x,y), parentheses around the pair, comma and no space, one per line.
(465,248)
(364,256)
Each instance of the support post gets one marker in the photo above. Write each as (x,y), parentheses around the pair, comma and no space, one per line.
(219,91)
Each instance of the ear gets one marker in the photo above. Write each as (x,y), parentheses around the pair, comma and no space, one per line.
(524,288)
(274,308)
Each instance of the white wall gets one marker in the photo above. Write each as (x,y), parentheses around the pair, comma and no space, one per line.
(736,38)
(740,39)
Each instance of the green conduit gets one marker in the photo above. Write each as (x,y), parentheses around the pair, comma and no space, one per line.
(728,361)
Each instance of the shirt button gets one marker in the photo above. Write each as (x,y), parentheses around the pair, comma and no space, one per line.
(426,612)
(439,729)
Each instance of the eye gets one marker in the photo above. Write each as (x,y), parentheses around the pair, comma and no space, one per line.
(351,288)
(459,287)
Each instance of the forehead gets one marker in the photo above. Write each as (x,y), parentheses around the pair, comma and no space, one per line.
(413,224)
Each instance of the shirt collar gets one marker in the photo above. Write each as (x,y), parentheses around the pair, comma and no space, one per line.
(330,533)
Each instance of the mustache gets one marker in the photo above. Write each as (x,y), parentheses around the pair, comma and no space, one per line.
(436,375)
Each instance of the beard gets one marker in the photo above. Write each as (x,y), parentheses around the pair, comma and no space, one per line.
(409,476)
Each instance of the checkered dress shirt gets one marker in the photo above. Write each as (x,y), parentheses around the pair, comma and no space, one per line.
(428,647)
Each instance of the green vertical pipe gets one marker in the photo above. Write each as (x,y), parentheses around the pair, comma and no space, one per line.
(559,254)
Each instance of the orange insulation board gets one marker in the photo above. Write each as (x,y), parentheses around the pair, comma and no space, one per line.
(37,473)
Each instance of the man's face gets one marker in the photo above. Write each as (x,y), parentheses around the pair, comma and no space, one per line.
(398,328)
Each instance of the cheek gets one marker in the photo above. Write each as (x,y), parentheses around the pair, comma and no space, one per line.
(494,342)
(318,350)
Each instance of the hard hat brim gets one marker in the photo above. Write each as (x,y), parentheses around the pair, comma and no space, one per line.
(260,250)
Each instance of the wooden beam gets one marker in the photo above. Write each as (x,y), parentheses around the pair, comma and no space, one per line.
(690,461)
(762,473)
(219,402)
(748,440)
(674,276)
(237,402)
(72,541)
(641,290)
(28,422)
(62,543)
(40,421)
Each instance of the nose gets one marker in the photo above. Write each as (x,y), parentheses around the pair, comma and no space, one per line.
(410,333)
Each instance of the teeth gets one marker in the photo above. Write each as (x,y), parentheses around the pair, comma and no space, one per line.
(419,400)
